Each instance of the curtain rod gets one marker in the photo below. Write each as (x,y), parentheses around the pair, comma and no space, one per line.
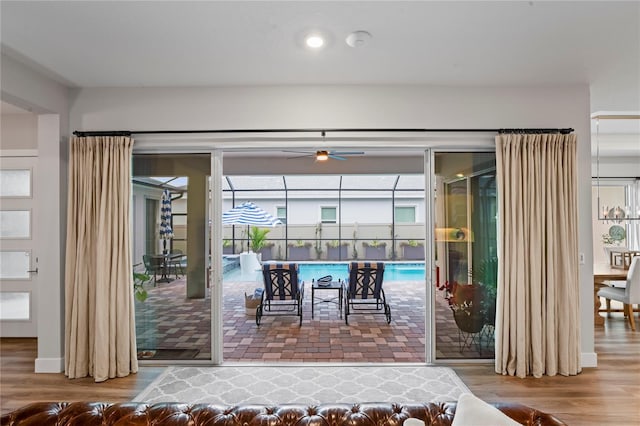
(322,131)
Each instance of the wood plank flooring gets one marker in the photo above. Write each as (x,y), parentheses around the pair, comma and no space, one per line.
(607,395)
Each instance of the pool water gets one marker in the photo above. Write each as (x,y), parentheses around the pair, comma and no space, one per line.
(393,271)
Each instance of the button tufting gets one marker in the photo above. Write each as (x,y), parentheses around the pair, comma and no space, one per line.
(370,414)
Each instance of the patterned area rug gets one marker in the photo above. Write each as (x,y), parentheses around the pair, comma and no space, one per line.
(231,385)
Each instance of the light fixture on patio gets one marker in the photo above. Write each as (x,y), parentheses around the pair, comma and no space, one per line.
(322,156)
(616,213)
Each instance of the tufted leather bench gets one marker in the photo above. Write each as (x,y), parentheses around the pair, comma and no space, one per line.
(369,414)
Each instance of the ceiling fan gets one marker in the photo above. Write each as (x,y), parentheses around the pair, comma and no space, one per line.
(323,154)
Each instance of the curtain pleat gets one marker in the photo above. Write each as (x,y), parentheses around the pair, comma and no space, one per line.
(538,314)
(99,310)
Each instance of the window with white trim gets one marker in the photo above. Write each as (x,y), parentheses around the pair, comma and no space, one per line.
(281,213)
(328,214)
(405,214)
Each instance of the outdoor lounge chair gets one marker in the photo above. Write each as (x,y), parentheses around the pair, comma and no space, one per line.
(363,290)
(283,291)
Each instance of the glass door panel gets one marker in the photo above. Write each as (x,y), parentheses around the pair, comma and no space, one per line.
(466,254)
(173,308)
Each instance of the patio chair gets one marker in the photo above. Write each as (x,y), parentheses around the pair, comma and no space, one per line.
(176,256)
(153,265)
(283,291)
(363,290)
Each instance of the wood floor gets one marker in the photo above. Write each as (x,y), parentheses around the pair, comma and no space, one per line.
(607,395)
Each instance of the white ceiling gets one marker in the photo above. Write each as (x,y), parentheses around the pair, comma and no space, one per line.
(218,43)
(213,43)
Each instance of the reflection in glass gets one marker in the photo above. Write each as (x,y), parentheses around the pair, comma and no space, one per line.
(466,254)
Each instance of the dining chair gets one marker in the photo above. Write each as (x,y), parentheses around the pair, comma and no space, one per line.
(630,294)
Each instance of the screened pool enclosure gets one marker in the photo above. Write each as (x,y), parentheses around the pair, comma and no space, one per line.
(325,219)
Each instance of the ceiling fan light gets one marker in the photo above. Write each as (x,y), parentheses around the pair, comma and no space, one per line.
(322,156)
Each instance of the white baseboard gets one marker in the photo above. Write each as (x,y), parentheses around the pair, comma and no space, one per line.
(49,365)
(589,359)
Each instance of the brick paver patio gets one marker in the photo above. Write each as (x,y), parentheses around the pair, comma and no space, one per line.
(168,320)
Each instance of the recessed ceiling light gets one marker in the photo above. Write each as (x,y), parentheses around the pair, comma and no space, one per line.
(314,41)
(460,175)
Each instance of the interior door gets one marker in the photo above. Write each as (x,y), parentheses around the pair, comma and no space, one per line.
(18,262)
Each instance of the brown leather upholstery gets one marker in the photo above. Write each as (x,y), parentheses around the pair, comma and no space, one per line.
(370,414)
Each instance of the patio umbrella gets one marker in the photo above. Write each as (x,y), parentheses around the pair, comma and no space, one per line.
(166,233)
(249,214)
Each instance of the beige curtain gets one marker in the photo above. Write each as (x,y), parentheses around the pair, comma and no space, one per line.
(538,314)
(99,316)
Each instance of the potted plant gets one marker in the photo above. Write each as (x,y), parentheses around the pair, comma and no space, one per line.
(300,250)
(486,275)
(474,305)
(412,250)
(257,238)
(266,252)
(337,250)
(139,292)
(466,303)
(375,250)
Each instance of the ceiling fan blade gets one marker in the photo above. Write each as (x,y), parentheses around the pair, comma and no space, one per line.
(346,152)
(336,157)
(299,152)
(301,156)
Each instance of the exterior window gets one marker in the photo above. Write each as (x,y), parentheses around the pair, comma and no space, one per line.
(405,215)
(328,214)
(281,213)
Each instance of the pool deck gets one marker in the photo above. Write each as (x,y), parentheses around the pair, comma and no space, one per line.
(168,320)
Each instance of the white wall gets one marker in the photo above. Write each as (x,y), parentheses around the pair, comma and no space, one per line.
(360,106)
(617,166)
(49,100)
(19,131)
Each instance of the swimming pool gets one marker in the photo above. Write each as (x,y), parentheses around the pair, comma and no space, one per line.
(393,271)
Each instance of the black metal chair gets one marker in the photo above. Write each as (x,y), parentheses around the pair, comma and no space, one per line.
(153,265)
(176,257)
(363,290)
(283,291)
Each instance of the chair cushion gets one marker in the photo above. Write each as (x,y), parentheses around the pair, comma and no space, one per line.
(613,293)
(474,411)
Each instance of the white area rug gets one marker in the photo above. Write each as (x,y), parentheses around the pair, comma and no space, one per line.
(232,385)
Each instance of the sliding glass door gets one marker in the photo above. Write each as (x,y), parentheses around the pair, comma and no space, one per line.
(465,217)
(171,255)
